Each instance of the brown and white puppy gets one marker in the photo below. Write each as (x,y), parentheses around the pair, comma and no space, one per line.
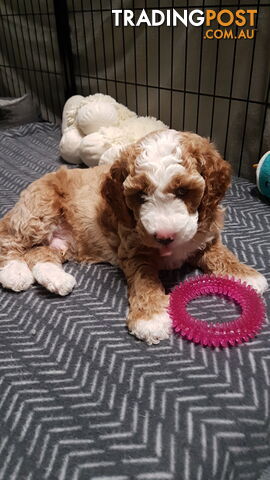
(156,207)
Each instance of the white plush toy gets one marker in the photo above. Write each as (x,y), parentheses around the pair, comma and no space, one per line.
(95,128)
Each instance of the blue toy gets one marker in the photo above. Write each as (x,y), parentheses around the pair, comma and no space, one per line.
(263,175)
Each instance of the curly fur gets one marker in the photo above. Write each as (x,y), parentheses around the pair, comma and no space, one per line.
(156,207)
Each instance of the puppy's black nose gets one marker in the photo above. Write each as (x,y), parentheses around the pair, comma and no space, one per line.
(164,241)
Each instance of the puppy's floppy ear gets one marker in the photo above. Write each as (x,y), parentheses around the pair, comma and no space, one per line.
(215,171)
(217,175)
(112,189)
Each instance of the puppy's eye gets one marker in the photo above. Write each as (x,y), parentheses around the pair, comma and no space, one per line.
(180,192)
(141,197)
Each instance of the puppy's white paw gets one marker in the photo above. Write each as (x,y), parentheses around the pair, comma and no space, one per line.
(54,278)
(92,147)
(16,276)
(157,328)
(257,281)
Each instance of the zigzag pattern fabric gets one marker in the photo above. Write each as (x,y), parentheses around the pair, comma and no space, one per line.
(80,399)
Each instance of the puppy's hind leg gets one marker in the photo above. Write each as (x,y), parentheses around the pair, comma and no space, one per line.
(45,263)
(14,272)
(31,222)
(15,275)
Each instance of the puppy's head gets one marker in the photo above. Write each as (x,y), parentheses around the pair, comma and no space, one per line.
(165,186)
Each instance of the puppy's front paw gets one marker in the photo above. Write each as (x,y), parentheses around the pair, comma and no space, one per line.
(16,276)
(257,281)
(54,278)
(152,330)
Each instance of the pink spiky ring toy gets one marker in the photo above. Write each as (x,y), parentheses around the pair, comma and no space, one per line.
(241,329)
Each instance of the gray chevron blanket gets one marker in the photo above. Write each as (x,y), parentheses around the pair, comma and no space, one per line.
(82,399)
